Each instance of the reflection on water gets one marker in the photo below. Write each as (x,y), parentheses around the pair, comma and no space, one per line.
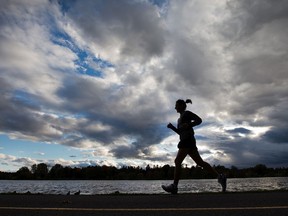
(141,187)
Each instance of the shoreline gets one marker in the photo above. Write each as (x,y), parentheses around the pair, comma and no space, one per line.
(117,193)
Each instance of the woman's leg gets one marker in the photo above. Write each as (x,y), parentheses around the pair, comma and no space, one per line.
(182,153)
(194,154)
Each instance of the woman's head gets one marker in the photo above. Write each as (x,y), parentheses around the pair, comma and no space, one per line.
(180,105)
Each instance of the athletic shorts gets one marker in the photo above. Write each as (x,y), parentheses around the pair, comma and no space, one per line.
(188,143)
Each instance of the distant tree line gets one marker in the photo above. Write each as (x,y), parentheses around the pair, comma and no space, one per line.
(58,172)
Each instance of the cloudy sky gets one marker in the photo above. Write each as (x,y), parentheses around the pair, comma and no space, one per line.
(91,82)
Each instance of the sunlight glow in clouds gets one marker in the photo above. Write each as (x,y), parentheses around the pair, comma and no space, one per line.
(94,82)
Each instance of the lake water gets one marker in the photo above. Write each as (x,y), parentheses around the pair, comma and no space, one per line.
(91,187)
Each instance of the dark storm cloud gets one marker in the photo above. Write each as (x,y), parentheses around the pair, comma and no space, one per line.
(83,94)
(191,62)
(135,26)
(277,135)
(260,47)
(17,113)
(89,98)
(125,152)
(250,16)
(246,151)
(133,151)
(239,130)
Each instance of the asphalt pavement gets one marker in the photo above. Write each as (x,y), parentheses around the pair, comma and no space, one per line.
(250,203)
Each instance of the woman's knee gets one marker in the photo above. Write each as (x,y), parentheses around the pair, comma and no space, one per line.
(177,162)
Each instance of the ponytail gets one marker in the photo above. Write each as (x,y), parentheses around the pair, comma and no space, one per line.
(183,103)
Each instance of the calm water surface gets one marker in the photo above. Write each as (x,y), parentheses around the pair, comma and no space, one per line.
(140,187)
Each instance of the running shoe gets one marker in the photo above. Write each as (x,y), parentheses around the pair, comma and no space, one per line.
(223,181)
(170,188)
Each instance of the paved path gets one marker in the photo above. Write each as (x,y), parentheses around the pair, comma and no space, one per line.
(252,203)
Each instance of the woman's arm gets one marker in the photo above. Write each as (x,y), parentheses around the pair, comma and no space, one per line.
(172,127)
(196,120)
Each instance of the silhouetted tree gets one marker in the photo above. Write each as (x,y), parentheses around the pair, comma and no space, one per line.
(40,171)
(23,173)
(56,172)
(260,170)
(165,170)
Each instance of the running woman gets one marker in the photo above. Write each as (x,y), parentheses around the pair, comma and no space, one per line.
(187,146)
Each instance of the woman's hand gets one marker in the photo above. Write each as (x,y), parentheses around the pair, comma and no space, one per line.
(170,125)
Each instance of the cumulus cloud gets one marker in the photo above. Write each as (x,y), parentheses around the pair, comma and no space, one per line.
(16,162)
